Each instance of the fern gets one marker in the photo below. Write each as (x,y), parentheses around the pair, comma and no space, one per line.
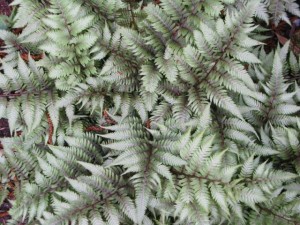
(276,104)
(273,10)
(149,112)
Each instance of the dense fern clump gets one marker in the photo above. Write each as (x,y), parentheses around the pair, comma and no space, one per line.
(150,112)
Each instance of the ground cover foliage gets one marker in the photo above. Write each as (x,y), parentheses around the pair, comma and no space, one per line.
(150,112)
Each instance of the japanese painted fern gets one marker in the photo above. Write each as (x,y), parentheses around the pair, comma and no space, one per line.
(149,112)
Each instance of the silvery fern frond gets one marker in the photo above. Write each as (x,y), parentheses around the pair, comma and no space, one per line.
(272,11)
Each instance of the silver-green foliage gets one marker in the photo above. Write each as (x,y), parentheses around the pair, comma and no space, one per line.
(272,10)
(196,123)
